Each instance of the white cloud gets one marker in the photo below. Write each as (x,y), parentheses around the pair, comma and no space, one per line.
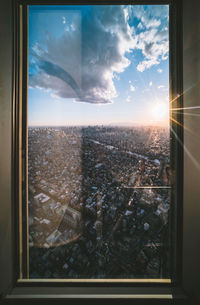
(154,46)
(132,88)
(83,65)
(161,87)
(160,70)
(55,96)
(140,26)
(63,20)
(150,84)
(152,12)
(146,64)
(70,27)
(153,40)
(150,17)
(126,13)
(150,23)
(128,99)
(73,27)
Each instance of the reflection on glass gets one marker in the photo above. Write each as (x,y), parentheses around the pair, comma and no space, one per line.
(99,174)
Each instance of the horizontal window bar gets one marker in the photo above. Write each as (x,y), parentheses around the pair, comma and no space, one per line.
(168,281)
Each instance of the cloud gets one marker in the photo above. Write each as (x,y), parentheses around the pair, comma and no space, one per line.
(83,64)
(149,17)
(150,23)
(132,88)
(128,99)
(54,70)
(154,46)
(73,27)
(63,20)
(163,88)
(140,26)
(150,84)
(160,70)
(146,64)
(153,40)
(150,12)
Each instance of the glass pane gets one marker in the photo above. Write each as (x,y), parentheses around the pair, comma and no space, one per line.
(99,161)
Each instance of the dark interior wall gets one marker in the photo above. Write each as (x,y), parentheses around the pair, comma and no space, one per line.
(191,239)
(191,82)
(5,142)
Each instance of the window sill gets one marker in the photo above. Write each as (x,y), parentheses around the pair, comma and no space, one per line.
(143,295)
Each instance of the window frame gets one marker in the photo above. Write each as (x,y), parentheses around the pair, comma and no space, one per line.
(20,78)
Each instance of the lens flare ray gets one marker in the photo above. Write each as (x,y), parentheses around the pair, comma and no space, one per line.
(193,159)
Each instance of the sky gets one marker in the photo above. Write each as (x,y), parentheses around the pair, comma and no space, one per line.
(98,65)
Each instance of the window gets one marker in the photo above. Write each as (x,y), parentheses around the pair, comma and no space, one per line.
(99,161)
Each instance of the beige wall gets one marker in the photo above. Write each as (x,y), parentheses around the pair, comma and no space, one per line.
(191,82)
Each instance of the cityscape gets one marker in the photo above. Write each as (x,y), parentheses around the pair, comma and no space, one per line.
(100,174)
(99,202)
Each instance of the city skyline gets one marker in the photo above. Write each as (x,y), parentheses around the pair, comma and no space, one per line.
(99,203)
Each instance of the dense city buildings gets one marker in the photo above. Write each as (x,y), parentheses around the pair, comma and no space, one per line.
(99,202)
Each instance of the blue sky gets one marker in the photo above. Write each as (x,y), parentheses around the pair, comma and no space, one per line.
(98,65)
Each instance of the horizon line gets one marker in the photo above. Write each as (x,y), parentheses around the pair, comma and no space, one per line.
(103,125)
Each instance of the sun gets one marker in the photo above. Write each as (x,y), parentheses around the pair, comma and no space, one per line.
(160,111)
